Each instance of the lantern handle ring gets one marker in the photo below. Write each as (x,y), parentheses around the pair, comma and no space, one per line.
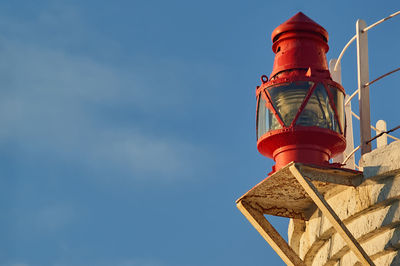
(264,79)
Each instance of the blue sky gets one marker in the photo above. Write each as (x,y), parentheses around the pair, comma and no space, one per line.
(128,127)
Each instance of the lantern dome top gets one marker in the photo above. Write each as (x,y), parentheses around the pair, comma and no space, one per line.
(299,22)
(300,44)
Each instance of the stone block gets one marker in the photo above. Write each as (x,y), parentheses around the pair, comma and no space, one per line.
(370,211)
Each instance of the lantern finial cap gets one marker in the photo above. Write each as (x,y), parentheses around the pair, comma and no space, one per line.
(299,22)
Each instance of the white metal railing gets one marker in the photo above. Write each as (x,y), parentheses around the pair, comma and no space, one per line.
(376,128)
(365,30)
(362,91)
(370,83)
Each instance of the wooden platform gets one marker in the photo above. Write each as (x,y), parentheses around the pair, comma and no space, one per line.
(295,191)
(282,195)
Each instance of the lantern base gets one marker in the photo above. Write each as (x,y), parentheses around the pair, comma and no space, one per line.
(309,154)
(310,145)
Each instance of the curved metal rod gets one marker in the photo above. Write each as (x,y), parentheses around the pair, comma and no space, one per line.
(351,154)
(344,50)
(355,115)
(364,30)
(370,83)
(358,147)
(374,128)
(383,132)
(380,21)
(351,97)
(381,77)
(389,136)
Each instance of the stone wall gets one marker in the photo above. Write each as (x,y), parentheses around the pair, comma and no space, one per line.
(371,212)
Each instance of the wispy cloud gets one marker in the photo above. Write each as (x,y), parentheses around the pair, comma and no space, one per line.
(106,262)
(117,262)
(45,220)
(73,107)
(54,217)
(139,262)
(15,264)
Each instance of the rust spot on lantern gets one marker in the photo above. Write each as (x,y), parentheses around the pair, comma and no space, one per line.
(300,109)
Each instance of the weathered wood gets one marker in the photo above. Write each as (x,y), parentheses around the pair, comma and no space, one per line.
(268,232)
(351,162)
(336,176)
(327,210)
(281,195)
(363,78)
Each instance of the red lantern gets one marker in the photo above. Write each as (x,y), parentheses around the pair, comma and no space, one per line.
(300,109)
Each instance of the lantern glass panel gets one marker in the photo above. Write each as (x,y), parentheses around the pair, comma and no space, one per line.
(287,99)
(338,99)
(266,119)
(318,111)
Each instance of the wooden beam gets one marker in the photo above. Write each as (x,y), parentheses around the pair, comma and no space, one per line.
(363,78)
(268,232)
(332,217)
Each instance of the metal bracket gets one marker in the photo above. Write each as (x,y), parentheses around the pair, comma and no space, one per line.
(269,233)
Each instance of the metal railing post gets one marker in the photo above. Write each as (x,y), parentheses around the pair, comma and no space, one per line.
(337,77)
(363,78)
(381,127)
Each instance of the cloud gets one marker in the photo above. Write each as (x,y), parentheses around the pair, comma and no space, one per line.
(107,262)
(116,262)
(156,155)
(139,262)
(45,220)
(75,108)
(54,217)
(15,264)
